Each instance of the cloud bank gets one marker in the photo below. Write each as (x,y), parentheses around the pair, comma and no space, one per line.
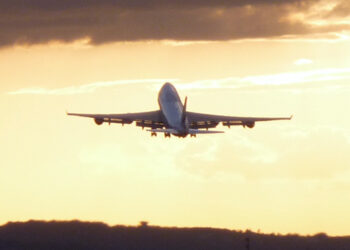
(82,89)
(275,80)
(42,21)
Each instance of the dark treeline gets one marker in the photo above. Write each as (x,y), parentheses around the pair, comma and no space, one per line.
(92,235)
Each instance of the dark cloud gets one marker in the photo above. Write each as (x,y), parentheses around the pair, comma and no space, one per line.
(136,4)
(342,9)
(40,21)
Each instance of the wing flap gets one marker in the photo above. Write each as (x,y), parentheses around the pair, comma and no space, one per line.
(203,124)
(152,119)
(199,120)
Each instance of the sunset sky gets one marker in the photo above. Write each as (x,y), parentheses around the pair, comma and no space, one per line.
(230,57)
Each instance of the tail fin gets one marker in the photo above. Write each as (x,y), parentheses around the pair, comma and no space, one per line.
(184,110)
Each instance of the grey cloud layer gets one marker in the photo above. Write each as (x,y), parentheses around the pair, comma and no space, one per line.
(135,4)
(342,9)
(40,21)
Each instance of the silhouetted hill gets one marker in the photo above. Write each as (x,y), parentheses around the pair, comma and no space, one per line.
(93,235)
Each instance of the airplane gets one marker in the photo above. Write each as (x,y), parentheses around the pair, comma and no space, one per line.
(172,118)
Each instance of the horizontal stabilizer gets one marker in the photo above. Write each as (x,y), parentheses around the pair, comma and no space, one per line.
(197,131)
(190,131)
(160,130)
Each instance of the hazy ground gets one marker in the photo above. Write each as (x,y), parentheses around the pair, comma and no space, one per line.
(95,235)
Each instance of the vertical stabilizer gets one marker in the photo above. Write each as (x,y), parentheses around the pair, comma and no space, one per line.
(184,110)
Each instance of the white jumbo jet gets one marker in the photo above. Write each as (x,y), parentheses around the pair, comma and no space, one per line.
(172,117)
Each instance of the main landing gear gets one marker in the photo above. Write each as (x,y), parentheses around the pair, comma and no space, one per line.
(165,134)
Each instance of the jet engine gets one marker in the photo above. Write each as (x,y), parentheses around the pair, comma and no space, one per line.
(98,121)
(249,124)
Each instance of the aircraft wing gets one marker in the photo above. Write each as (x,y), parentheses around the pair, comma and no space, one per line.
(152,119)
(198,120)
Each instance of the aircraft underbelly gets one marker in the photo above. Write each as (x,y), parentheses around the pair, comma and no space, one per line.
(171,106)
(172,113)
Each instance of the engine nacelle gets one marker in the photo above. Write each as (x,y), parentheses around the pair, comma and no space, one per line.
(249,124)
(98,121)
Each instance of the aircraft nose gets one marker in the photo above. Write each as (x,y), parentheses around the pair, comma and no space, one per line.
(167,84)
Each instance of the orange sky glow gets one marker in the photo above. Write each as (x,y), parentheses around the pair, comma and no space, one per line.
(283,177)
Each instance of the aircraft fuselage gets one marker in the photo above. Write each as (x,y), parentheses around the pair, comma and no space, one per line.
(172,109)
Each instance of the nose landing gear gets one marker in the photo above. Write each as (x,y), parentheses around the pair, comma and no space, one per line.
(167,135)
(153,134)
(193,135)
